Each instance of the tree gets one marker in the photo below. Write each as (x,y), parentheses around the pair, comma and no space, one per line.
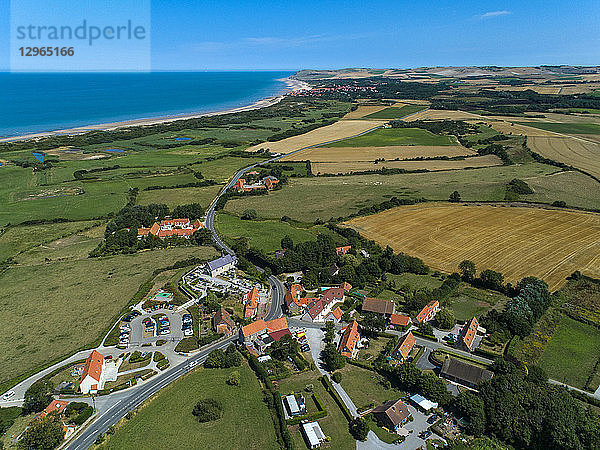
(37,396)
(454,197)
(215,359)
(467,270)
(249,214)
(372,322)
(359,429)
(234,378)
(44,433)
(203,236)
(537,375)
(468,404)
(492,280)
(208,410)
(329,332)
(284,347)
(337,377)
(518,316)
(286,242)
(332,358)
(445,319)
(191,211)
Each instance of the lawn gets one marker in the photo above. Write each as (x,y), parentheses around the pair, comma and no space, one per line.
(376,345)
(167,422)
(334,425)
(572,353)
(566,128)
(308,199)
(395,112)
(51,310)
(365,387)
(470,302)
(262,234)
(180,196)
(414,281)
(384,137)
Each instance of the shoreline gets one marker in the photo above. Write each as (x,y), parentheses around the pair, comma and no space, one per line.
(292,85)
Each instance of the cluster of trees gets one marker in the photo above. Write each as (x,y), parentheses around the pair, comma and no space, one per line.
(208,410)
(44,433)
(330,355)
(121,235)
(527,412)
(81,174)
(449,127)
(515,188)
(223,359)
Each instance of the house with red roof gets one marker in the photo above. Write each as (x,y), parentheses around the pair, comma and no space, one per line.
(172,227)
(349,341)
(399,320)
(222,321)
(466,337)
(294,302)
(428,312)
(335,315)
(260,334)
(250,300)
(346,286)
(320,309)
(404,347)
(57,406)
(91,378)
(343,249)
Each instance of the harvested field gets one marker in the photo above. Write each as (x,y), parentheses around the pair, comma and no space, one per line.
(396,112)
(339,130)
(577,152)
(517,241)
(363,110)
(432,114)
(431,165)
(342,154)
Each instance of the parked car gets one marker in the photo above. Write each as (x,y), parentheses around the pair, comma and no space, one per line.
(432,419)
(188,332)
(8,395)
(164,331)
(425,434)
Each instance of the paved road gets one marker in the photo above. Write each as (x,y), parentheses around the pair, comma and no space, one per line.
(128,401)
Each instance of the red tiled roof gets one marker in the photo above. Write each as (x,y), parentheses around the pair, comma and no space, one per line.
(343,249)
(251,299)
(337,313)
(181,221)
(55,405)
(251,349)
(255,327)
(349,339)
(154,229)
(316,308)
(399,319)
(427,310)
(221,317)
(346,286)
(331,294)
(277,324)
(93,366)
(276,335)
(292,295)
(378,305)
(165,233)
(405,345)
(468,332)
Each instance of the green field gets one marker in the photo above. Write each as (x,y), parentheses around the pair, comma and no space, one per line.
(51,310)
(167,421)
(180,196)
(364,387)
(572,353)
(262,234)
(386,137)
(308,199)
(470,302)
(395,112)
(414,281)
(566,128)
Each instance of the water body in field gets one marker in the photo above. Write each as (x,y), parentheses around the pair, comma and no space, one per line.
(36,102)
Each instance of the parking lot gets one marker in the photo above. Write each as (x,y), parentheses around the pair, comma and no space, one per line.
(156,325)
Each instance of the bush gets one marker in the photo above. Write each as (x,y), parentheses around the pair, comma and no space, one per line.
(7,417)
(44,433)
(234,378)
(208,410)
(38,396)
(158,356)
(249,214)
(219,359)
(359,429)
(187,345)
(337,377)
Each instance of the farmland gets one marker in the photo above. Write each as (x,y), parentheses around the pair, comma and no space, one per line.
(307,199)
(395,112)
(68,305)
(385,137)
(577,152)
(166,421)
(432,165)
(518,242)
(565,128)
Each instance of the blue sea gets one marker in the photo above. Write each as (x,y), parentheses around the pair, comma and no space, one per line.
(35,102)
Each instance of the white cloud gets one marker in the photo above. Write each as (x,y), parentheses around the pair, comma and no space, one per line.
(490,14)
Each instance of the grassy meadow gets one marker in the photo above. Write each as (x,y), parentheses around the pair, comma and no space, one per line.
(395,112)
(384,137)
(166,421)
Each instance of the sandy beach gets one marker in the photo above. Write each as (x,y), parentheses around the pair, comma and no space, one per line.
(291,86)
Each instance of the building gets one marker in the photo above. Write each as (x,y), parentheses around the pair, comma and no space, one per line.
(57,406)
(463,373)
(222,321)
(422,403)
(393,414)
(428,312)
(399,320)
(267,183)
(378,306)
(172,227)
(312,434)
(346,286)
(220,265)
(404,347)
(251,302)
(91,378)
(349,340)
(343,249)
(293,300)
(294,406)
(319,309)
(335,315)
(466,337)
(260,334)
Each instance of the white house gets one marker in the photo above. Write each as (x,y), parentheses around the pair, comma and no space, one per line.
(92,379)
(313,434)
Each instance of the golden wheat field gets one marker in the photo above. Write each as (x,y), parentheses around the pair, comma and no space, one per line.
(351,154)
(577,152)
(364,110)
(431,165)
(517,241)
(338,130)
(433,114)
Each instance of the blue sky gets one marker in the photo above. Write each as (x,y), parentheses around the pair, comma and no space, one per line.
(201,35)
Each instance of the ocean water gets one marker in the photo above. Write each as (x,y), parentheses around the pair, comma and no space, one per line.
(32,102)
